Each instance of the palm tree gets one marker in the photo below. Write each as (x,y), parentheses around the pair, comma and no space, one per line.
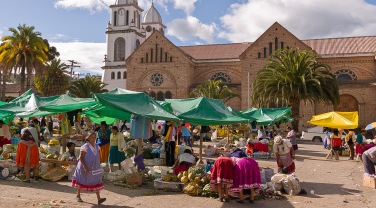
(215,89)
(22,51)
(54,80)
(85,87)
(292,76)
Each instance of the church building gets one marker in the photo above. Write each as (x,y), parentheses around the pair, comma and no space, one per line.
(141,58)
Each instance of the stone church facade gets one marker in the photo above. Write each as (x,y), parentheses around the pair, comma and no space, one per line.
(163,70)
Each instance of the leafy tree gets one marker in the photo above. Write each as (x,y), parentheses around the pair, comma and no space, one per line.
(85,87)
(215,89)
(292,76)
(54,80)
(22,51)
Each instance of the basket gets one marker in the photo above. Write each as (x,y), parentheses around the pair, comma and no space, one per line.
(169,186)
(134,179)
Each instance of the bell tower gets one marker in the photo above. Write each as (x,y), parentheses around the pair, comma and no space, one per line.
(124,34)
(152,21)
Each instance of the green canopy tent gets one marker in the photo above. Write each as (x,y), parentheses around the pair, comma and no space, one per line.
(268,116)
(204,111)
(120,103)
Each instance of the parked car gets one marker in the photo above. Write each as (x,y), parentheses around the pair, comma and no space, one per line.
(314,134)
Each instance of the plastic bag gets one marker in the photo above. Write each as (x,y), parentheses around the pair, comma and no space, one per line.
(291,184)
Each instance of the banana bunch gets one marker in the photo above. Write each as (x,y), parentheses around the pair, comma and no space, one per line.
(193,189)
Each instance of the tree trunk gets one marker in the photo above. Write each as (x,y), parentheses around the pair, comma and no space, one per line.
(23,76)
(5,78)
(295,110)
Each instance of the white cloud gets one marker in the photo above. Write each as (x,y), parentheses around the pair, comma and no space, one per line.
(89,55)
(188,6)
(190,28)
(91,5)
(306,19)
(62,38)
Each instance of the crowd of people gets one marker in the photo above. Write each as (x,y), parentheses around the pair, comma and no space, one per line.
(234,173)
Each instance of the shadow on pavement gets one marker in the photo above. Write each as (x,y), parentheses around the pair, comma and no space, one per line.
(326,189)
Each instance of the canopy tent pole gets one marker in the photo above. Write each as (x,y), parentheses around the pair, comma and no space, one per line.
(228,134)
(200,161)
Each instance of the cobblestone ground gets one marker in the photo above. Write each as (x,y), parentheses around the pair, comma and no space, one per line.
(328,183)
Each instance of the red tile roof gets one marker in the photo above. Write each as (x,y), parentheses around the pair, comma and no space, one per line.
(216,51)
(325,46)
(348,45)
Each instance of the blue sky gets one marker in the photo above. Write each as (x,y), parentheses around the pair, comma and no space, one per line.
(77,27)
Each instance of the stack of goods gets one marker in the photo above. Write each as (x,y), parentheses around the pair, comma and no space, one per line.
(195,180)
(151,156)
(8,152)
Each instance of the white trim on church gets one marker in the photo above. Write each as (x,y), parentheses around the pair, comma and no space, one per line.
(124,34)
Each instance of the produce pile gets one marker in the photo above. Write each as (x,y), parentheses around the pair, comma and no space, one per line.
(194,180)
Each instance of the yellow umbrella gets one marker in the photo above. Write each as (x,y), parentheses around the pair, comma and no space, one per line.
(344,120)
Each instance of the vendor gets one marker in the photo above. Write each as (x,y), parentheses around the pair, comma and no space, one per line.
(27,152)
(4,134)
(369,159)
(103,140)
(246,175)
(69,155)
(285,154)
(117,154)
(184,161)
(54,147)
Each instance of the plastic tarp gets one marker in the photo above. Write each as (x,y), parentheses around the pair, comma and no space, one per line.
(204,111)
(120,103)
(30,105)
(343,120)
(268,116)
(236,112)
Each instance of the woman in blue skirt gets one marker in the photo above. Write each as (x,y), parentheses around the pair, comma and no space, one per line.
(117,145)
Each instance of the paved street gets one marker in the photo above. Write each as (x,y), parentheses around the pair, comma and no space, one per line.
(334,184)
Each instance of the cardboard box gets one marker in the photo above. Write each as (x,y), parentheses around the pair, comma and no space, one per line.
(369,182)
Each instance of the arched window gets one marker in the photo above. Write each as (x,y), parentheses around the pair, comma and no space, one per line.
(115,18)
(112,75)
(168,95)
(162,31)
(152,95)
(124,75)
(119,75)
(224,77)
(345,75)
(276,43)
(160,95)
(127,17)
(119,48)
(270,48)
(137,43)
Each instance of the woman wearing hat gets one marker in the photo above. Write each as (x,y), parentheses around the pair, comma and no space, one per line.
(285,155)
(88,174)
(103,140)
(246,176)
(117,145)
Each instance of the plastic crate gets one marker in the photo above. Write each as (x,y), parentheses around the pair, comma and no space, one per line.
(15,140)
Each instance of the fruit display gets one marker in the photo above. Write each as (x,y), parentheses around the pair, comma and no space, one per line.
(195,179)
(167,178)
